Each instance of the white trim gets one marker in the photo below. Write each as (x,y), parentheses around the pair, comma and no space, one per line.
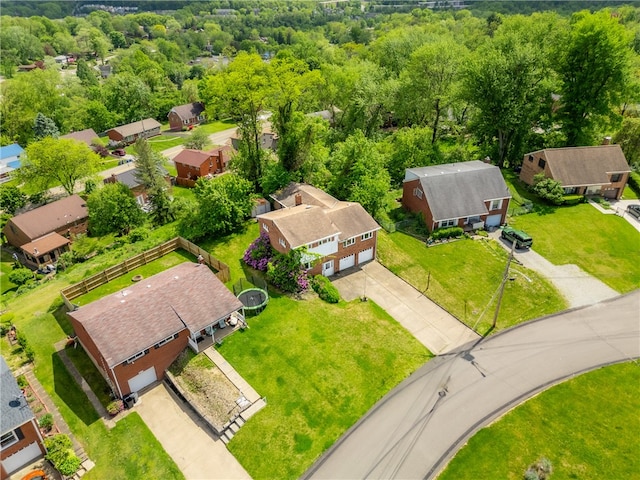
(13,434)
(366,236)
(348,242)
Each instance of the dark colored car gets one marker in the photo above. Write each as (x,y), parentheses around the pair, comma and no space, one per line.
(119,152)
(522,239)
(634,211)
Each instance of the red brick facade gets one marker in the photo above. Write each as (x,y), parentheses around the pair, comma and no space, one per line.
(31,433)
(215,163)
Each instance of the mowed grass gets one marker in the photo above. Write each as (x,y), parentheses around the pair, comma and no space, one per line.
(6,267)
(464,276)
(587,427)
(321,367)
(605,246)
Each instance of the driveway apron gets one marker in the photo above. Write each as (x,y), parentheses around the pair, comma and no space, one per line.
(198,453)
(433,326)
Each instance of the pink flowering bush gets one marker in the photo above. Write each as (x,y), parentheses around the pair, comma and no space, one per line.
(259,253)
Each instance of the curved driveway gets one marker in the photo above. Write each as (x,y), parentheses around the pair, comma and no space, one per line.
(418,427)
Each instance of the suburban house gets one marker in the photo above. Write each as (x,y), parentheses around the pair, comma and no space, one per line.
(87,136)
(44,233)
(130,132)
(193,164)
(9,160)
(21,441)
(601,170)
(184,116)
(268,140)
(132,336)
(337,234)
(129,178)
(471,195)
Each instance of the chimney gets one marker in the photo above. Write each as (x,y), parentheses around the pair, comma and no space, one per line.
(606,141)
(298,198)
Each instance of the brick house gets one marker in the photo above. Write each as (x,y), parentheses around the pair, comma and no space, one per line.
(130,132)
(183,116)
(21,441)
(132,336)
(129,178)
(86,136)
(45,232)
(193,164)
(601,170)
(470,195)
(337,234)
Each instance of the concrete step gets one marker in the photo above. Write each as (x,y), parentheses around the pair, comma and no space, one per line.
(234,427)
(253,409)
(240,421)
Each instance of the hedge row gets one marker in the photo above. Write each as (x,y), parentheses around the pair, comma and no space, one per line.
(449,232)
(325,289)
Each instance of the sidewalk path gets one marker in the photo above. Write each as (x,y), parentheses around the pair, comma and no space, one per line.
(419,426)
(433,326)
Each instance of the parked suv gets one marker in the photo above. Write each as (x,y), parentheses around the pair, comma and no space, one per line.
(521,238)
(634,211)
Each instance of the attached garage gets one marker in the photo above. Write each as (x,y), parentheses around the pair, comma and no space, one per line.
(21,457)
(493,220)
(143,379)
(365,255)
(347,262)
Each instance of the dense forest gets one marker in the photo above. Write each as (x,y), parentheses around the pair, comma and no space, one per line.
(402,89)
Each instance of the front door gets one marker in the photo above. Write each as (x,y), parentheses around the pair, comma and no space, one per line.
(327,268)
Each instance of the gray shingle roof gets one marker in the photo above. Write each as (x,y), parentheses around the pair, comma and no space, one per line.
(188,111)
(87,136)
(578,166)
(14,410)
(135,318)
(137,128)
(459,190)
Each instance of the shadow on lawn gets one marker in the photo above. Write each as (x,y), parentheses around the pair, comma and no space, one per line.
(70,392)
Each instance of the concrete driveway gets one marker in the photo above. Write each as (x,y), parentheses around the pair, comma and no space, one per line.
(198,453)
(433,326)
(420,425)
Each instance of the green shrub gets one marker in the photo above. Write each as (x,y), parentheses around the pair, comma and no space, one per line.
(65,260)
(138,234)
(325,289)
(115,407)
(448,232)
(46,422)
(22,381)
(20,276)
(572,199)
(634,182)
(61,454)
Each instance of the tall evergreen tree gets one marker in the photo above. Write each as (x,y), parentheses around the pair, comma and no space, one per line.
(149,172)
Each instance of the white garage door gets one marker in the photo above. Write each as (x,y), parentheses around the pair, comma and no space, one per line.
(365,255)
(21,457)
(347,262)
(493,220)
(144,378)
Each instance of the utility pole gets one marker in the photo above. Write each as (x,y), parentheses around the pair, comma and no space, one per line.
(504,281)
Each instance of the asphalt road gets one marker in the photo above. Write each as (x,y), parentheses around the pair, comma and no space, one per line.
(418,427)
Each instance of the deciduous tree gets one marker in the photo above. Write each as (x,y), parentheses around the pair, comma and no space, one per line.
(149,172)
(113,209)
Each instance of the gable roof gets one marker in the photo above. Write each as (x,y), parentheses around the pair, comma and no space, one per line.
(13,150)
(310,195)
(188,296)
(45,244)
(136,128)
(302,224)
(14,409)
(189,110)
(129,177)
(193,158)
(51,217)
(457,190)
(578,166)
(87,136)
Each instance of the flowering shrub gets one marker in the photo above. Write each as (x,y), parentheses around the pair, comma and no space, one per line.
(287,272)
(259,253)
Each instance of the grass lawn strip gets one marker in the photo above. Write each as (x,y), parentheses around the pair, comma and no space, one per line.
(604,246)
(464,276)
(588,427)
(6,266)
(321,368)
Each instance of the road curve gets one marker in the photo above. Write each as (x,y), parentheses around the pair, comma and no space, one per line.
(419,426)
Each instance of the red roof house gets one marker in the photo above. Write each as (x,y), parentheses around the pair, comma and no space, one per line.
(184,116)
(193,164)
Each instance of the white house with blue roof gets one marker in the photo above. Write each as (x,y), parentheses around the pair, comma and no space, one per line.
(9,160)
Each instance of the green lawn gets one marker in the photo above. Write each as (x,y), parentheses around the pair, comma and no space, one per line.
(464,276)
(182,192)
(588,427)
(214,127)
(321,367)
(629,194)
(6,266)
(605,246)
(164,141)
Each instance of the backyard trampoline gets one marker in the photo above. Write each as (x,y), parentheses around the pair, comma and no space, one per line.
(254,300)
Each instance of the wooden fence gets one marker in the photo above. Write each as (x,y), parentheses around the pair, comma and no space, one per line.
(94,281)
(185,182)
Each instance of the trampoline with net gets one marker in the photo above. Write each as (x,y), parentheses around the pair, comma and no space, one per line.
(253,295)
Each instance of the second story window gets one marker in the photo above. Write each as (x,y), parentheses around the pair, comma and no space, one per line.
(366,236)
(348,242)
(495,205)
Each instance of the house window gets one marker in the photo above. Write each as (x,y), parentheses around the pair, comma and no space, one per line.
(366,236)
(307,265)
(531,158)
(185,122)
(541,162)
(282,242)
(265,227)
(8,439)
(447,223)
(570,190)
(165,341)
(616,177)
(417,192)
(495,204)
(136,356)
(348,242)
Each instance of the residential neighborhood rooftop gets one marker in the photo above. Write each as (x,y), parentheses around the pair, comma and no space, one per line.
(87,136)
(195,158)
(309,195)
(137,127)
(14,410)
(188,296)
(189,110)
(45,244)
